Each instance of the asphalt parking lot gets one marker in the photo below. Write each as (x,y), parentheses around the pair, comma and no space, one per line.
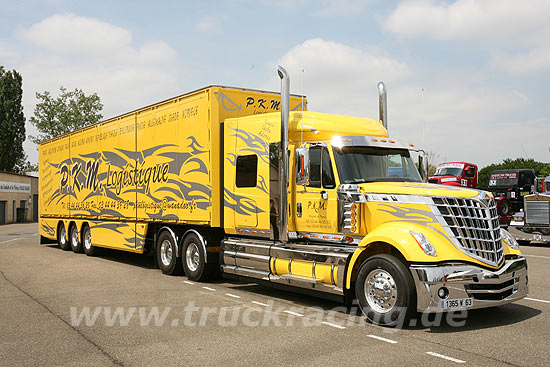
(62,308)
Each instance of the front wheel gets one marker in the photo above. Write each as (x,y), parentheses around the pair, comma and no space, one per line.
(385,291)
(505,208)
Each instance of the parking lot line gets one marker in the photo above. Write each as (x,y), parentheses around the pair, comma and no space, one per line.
(209,289)
(382,339)
(232,295)
(188,282)
(260,303)
(445,357)
(333,325)
(536,300)
(13,239)
(293,313)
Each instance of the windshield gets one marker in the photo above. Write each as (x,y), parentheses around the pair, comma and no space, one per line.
(448,171)
(367,164)
(503,179)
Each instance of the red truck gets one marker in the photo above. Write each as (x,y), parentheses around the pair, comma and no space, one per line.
(455,174)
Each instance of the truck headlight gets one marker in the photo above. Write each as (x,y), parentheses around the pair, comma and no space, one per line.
(509,238)
(424,244)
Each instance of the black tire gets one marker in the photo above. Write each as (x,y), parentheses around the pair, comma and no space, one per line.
(62,240)
(504,208)
(545,231)
(87,246)
(527,230)
(399,302)
(74,239)
(194,263)
(167,251)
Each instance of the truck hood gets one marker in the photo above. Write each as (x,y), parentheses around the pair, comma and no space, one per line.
(414,188)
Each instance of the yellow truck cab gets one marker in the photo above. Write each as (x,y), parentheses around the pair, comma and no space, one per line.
(255,186)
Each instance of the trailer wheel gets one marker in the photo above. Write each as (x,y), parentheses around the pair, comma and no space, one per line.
(194,262)
(545,231)
(167,251)
(74,238)
(504,208)
(385,291)
(62,240)
(89,249)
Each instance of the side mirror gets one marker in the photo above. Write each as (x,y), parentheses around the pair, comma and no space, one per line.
(423,166)
(302,166)
(467,168)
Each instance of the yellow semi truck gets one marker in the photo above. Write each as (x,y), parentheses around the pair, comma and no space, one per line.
(250,184)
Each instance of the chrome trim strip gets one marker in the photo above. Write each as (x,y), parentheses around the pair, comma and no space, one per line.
(289,266)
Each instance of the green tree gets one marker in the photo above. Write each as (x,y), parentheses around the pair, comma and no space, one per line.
(433,160)
(71,111)
(541,169)
(12,122)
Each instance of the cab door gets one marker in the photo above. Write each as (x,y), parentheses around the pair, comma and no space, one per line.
(316,202)
(469,177)
(246,177)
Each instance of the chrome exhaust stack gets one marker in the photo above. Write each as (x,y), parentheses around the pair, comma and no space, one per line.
(283,161)
(383,104)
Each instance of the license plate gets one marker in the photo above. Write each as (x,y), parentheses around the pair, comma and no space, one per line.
(449,304)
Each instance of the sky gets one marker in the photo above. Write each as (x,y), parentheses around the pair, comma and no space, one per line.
(467,80)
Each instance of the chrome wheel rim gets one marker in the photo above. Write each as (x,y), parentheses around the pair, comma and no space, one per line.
(62,235)
(380,291)
(88,239)
(192,257)
(166,252)
(74,237)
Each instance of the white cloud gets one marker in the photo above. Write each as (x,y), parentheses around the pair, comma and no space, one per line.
(456,116)
(495,20)
(537,59)
(332,70)
(459,121)
(516,32)
(210,24)
(98,57)
(71,33)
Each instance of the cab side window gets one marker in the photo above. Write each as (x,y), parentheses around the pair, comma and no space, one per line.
(320,169)
(247,170)
(328,176)
(315,167)
(471,172)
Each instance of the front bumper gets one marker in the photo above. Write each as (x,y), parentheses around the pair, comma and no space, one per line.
(487,288)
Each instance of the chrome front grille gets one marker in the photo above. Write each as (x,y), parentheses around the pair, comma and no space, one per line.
(537,212)
(474,226)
